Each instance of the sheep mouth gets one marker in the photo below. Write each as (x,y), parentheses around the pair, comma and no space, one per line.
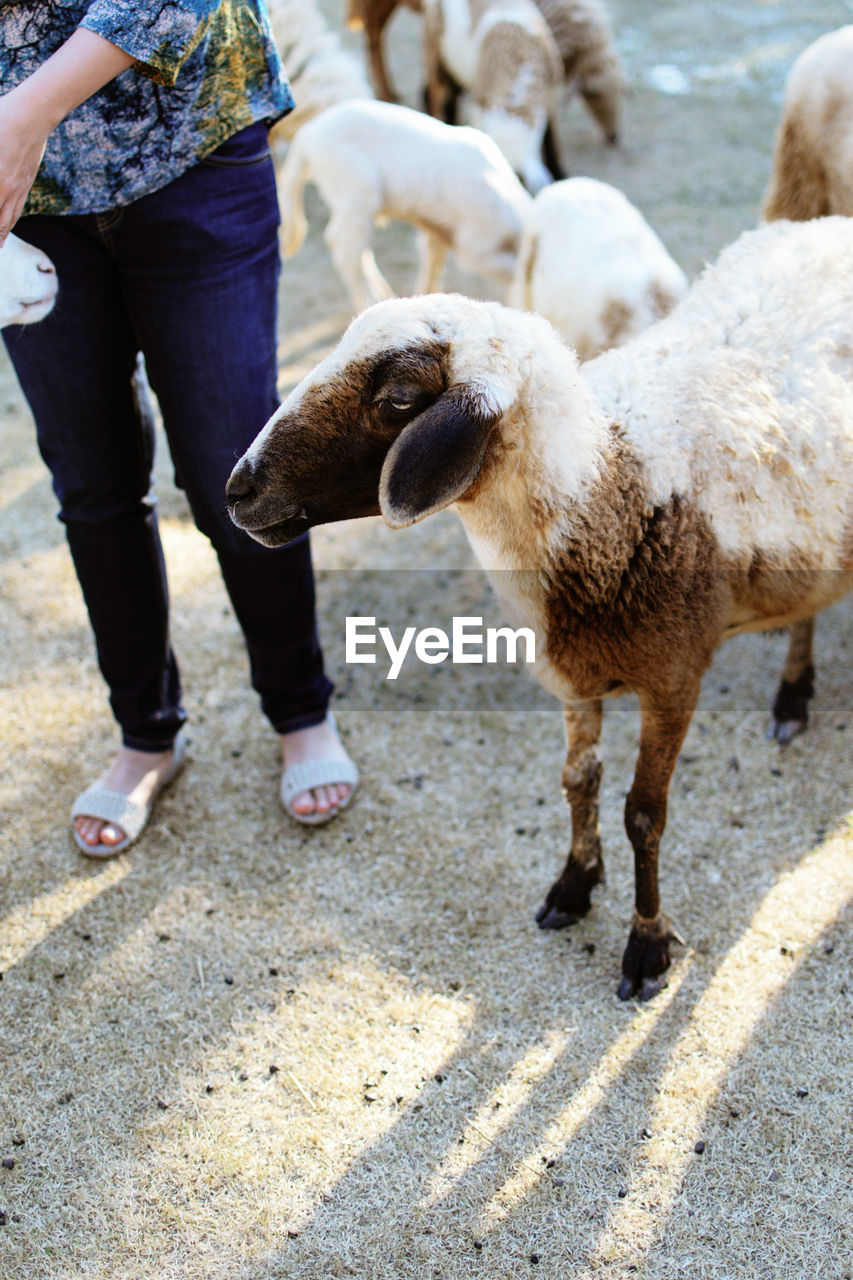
(277,532)
(31,312)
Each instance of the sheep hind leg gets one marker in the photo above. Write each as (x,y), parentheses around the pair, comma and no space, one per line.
(569,897)
(432,253)
(791,705)
(348,238)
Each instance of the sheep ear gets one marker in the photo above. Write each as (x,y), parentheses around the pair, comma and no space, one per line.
(438,455)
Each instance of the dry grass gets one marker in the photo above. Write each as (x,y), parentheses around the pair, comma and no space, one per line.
(245,1050)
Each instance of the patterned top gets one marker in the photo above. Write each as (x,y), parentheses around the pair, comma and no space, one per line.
(205,70)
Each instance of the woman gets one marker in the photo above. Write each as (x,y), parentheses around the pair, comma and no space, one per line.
(133,138)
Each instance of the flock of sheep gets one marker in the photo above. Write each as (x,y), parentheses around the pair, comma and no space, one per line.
(634,509)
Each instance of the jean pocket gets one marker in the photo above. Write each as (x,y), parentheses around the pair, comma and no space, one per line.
(248,147)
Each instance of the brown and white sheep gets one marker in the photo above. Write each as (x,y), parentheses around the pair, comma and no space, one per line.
(502,55)
(695,483)
(582,33)
(812,172)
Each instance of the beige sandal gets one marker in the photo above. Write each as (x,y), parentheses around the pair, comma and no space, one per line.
(119,810)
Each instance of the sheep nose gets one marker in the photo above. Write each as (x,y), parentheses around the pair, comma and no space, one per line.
(46,267)
(241,485)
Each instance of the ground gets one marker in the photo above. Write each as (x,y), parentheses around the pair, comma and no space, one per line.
(247,1050)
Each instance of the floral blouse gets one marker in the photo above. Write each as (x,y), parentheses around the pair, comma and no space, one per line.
(204,70)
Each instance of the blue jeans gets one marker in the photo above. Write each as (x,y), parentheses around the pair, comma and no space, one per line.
(188,275)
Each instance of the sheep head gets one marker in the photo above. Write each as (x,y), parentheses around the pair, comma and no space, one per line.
(392,422)
(28,284)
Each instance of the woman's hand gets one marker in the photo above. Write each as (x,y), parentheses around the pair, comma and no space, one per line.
(28,113)
(22,140)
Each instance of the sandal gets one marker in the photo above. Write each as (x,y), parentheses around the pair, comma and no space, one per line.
(118,809)
(309,774)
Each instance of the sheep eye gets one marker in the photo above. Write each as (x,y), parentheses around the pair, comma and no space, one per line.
(397,404)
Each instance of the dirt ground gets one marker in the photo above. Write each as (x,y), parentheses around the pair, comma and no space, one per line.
(244,1049)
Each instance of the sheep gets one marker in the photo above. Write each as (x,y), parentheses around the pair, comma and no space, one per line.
(591,264)
(591,66)
(813,156)
(372,16)
(374,160)
(582,34)
(692,484)
(322,71)
(812,176)
(28,284)
(503,54)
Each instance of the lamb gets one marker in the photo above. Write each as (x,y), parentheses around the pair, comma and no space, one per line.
(695,483)
(503,54)
(375,160)
(28,284)
(322,71)
(813,157)
(591,264)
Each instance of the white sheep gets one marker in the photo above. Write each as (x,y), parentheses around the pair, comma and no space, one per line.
(591,264)
(28,284)
(502,53)
(695,483)
(813,157)
(377,160)
(321,70)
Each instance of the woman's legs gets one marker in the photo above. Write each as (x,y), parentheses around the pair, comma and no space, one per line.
(190,275)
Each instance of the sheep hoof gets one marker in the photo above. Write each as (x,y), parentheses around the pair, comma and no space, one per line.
(569,898)
(791,707)
(646,959)
(782,731)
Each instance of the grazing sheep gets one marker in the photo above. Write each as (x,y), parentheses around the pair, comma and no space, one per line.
(584,37)
(582,33)
(591,264)
(321,70)
(28,284)
(374,160)
(372,15)
(695,483)
(502,53)
(813,157)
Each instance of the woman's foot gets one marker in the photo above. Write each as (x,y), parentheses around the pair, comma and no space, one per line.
(316,750)
(139,775)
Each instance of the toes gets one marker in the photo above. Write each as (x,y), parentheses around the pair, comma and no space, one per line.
(304,802)
(320,800)
(93,831)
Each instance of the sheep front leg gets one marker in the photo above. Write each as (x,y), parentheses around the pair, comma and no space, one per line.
(569,898)
(662,732)
(791,706)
